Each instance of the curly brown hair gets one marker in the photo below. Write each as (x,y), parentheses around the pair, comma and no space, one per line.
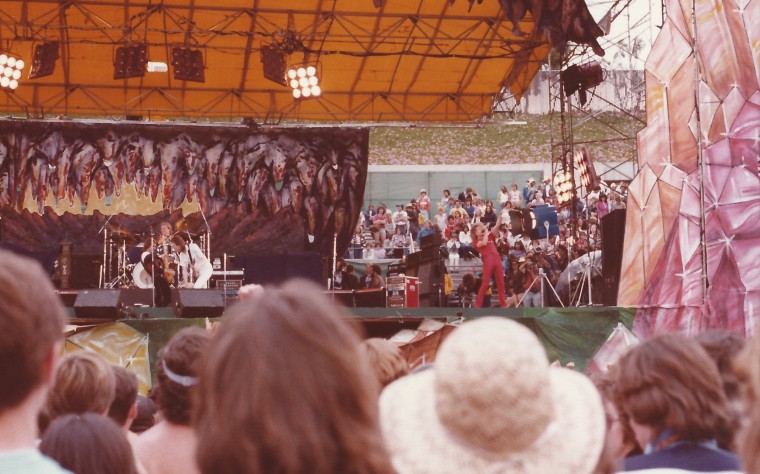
(182,356)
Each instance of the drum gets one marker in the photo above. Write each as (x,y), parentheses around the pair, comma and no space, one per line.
(141,278)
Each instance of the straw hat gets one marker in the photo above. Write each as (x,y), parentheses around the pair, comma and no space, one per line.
(492,404)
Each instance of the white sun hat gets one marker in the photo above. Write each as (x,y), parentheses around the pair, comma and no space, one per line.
(492,404)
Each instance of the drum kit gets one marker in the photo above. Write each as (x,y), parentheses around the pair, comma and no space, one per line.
(123,249)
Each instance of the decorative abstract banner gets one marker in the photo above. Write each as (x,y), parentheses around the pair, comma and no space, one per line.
(679,211)
(257,191)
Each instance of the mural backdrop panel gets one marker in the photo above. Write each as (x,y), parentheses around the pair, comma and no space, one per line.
(666,229)
(258,191)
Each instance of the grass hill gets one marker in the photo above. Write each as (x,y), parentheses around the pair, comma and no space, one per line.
(611,135)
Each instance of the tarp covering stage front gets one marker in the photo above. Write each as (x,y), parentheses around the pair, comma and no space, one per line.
(568,334)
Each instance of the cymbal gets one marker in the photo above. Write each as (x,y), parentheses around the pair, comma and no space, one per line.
(190,223)
(127,239)
(120,230)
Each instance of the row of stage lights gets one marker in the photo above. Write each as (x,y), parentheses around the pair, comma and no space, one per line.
(563,180)
(304,82)
(11,71)
(187,64)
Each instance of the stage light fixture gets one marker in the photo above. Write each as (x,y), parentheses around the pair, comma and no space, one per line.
(188,64)
(274,61)
(523,221)
(585,167)
(563,185)
(43,61)
(10,71)
(157,66)
(130,61)
(546,222)
(304,80)
(581,78)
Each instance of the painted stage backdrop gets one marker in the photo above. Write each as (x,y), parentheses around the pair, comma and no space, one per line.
(267,191)
(663,243)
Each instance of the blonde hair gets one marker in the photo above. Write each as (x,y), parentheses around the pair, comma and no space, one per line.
(84,382)
(386,359)
(474,230)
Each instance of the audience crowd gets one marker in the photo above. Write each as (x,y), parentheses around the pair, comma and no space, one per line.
(385,234)
(287,384)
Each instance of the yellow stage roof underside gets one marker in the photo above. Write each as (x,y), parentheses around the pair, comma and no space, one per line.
(423,60)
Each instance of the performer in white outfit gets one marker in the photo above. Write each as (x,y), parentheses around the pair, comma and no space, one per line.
(194,268)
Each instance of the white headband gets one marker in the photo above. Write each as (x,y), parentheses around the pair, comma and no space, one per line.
(184,380)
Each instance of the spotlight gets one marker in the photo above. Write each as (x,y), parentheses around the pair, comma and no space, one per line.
(581,78)
(304,80)
(589,179)
(43,62)
(563,185)
(10,71)
(275,63)
(130,61)
(523,221)
(188,65)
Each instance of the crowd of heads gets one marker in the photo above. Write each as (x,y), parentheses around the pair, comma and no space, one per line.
(287,383)
(381,233)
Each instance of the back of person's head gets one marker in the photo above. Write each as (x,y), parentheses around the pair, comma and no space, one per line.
(747,367)
(88,444)
(125,394)
(285,389)
(386,359)
(146,415)
(83,383)
(177,373)
(32,319)
(723,347)
(670,383)
(468,282)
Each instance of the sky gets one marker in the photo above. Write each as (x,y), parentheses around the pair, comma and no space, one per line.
(642,18)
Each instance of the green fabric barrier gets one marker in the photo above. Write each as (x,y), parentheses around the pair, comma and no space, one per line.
(567,334)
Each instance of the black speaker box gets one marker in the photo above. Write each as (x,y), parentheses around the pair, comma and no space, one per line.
(199,303)
(613,235)
(98,304)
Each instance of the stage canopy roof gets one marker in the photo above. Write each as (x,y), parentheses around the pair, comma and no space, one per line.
(392,60)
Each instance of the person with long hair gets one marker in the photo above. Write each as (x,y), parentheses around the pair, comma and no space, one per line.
(195,267)
(747,368)
(285,388)
(169,446)
(672,393)
(484,242)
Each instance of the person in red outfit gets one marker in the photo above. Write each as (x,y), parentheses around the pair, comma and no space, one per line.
(485,243)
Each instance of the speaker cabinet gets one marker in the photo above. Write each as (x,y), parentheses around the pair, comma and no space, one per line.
(98,304)
(199,303)
(613,235)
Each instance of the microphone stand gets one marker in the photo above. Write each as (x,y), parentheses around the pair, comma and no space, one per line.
(208,231)
(153,265)
(103,276)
